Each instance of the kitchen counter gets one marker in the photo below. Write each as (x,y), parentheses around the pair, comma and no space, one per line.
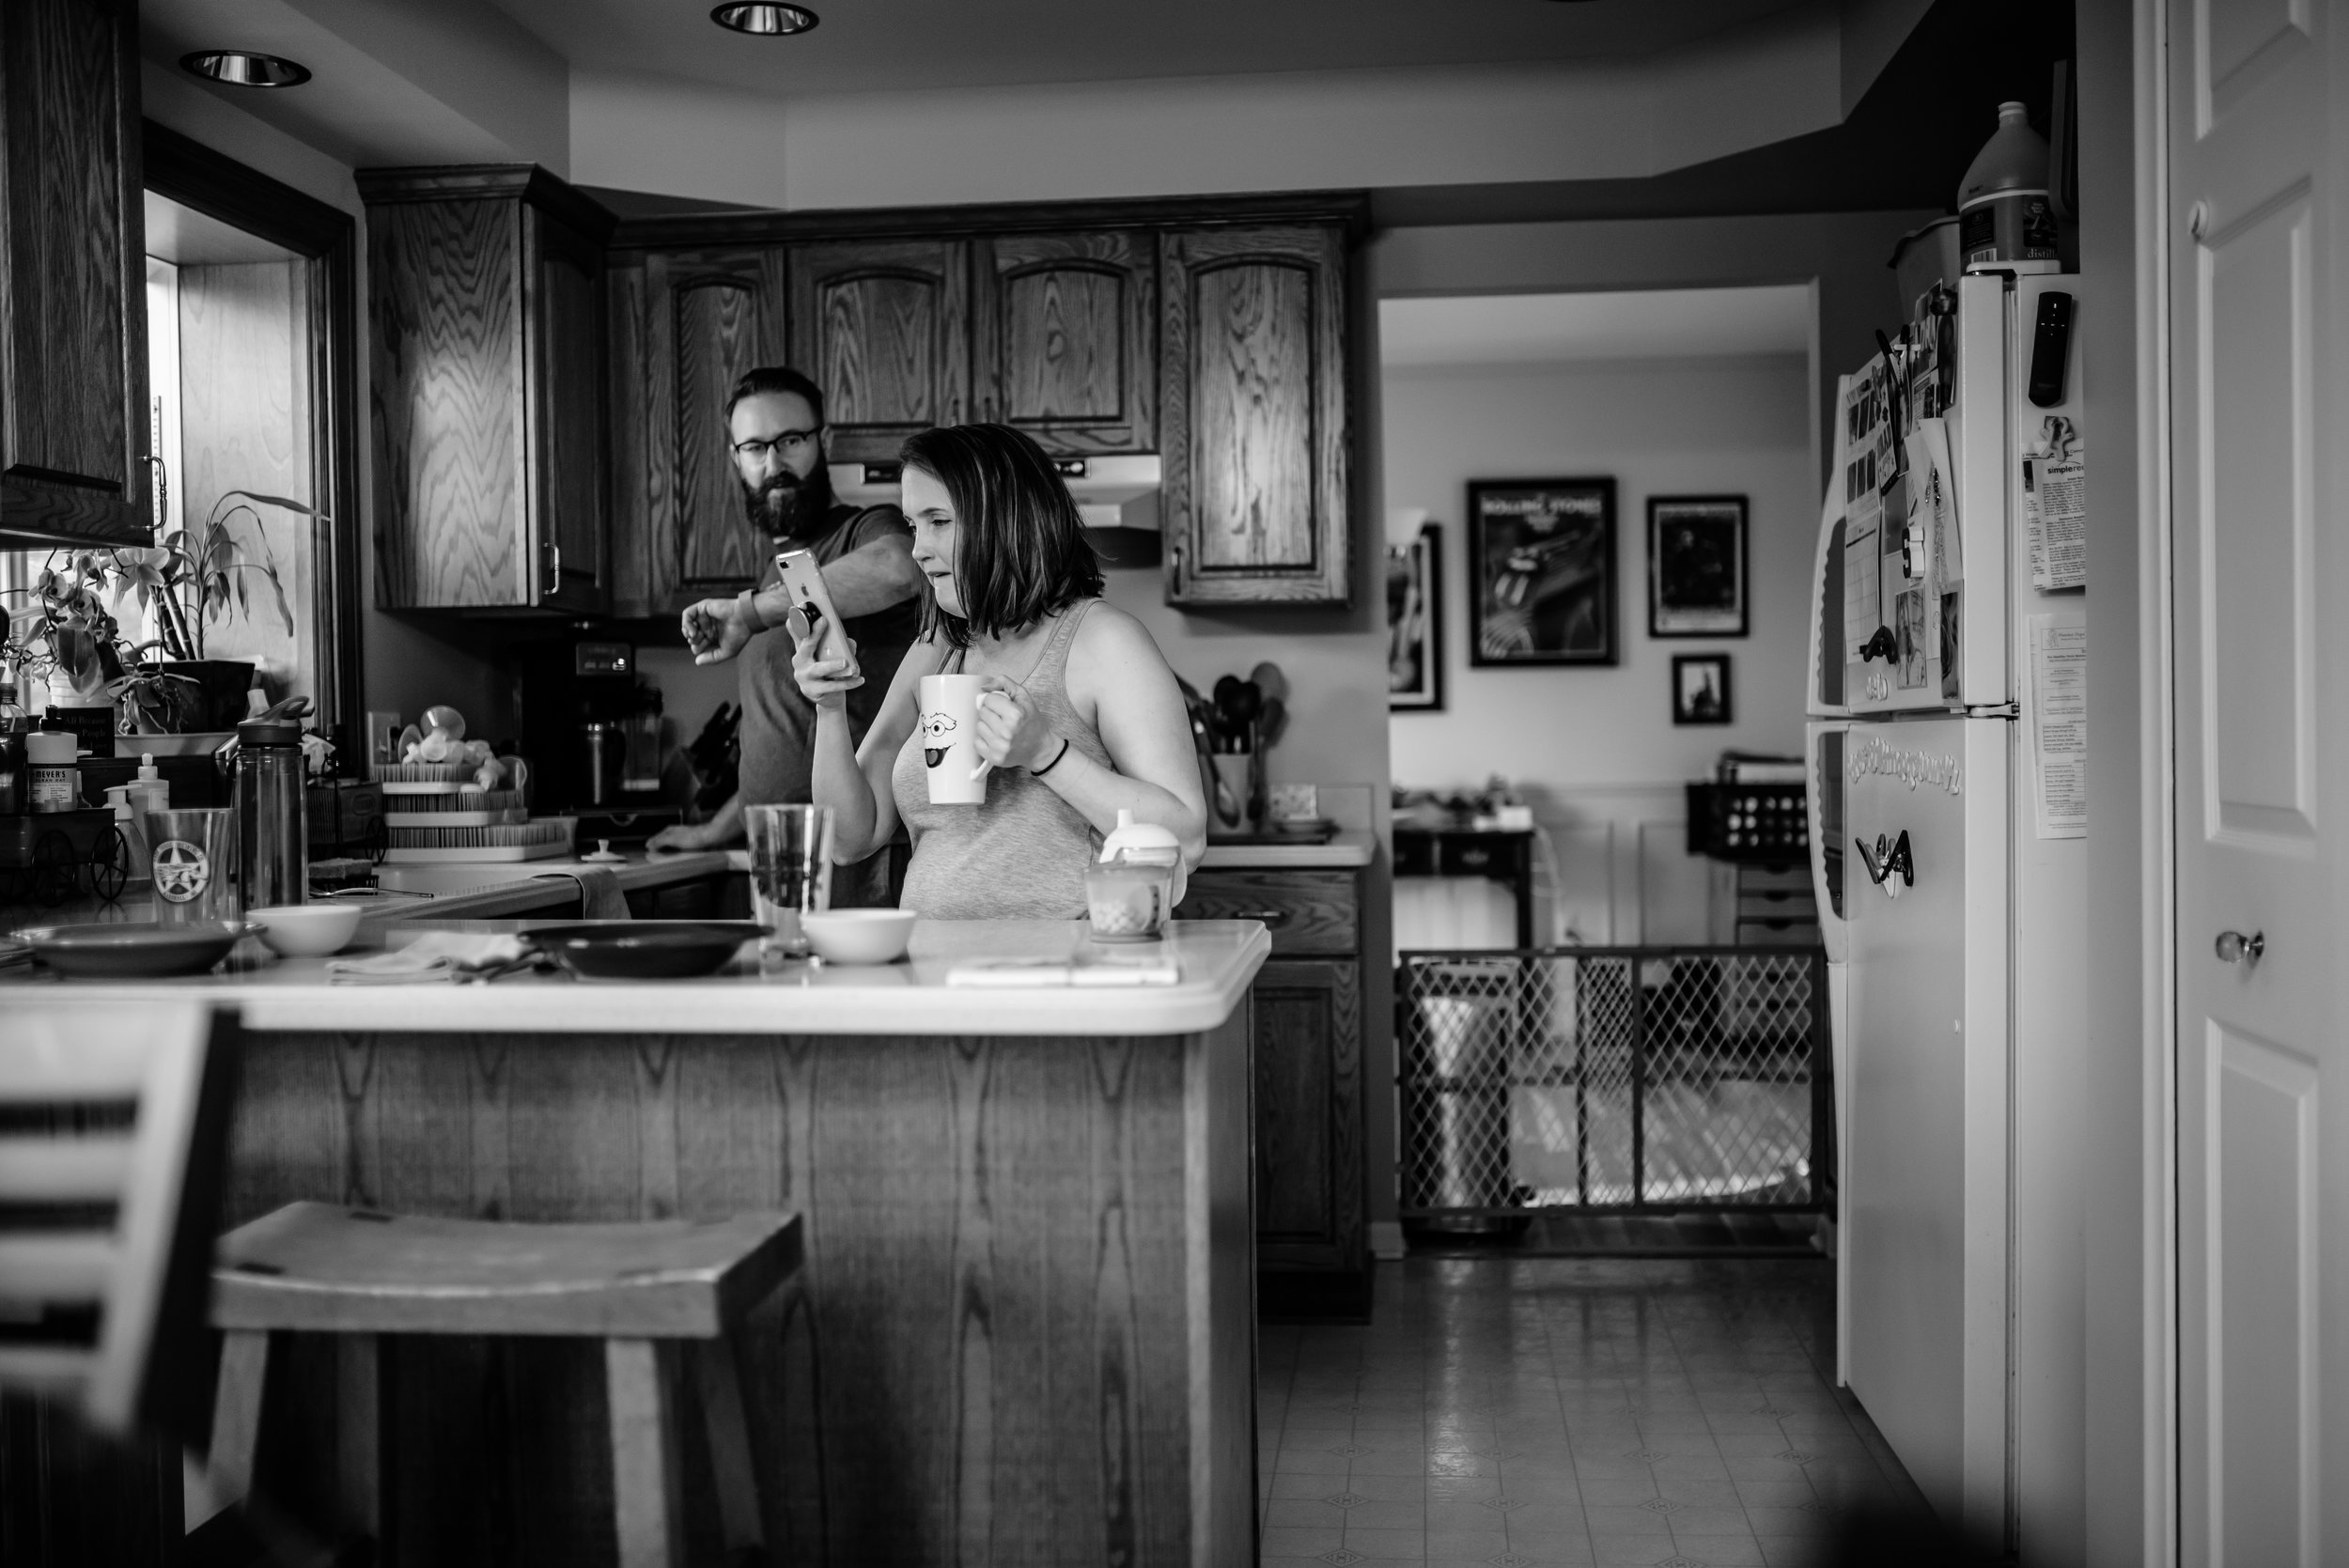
(1216,961)
(1350,848)
(1024,1328)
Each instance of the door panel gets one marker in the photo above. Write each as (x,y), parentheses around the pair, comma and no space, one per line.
(569,319)
(884,328)
(1308,1049)
(1066,338)
(718,331)
(2257,487)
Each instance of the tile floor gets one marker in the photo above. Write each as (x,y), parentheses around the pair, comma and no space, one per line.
(1575,1411)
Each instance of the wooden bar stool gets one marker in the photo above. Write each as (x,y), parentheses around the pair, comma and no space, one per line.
(654,1291)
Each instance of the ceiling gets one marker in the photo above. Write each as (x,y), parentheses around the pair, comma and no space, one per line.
(1534,329)
(869,45)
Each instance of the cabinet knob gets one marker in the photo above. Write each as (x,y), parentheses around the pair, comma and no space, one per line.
(2235,948)
(1273,919)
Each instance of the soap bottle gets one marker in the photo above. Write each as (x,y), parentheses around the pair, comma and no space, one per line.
(2004,219)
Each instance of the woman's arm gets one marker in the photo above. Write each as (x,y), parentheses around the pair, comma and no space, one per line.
(856,785)
(1116,672)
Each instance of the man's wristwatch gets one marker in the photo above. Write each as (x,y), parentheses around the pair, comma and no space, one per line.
(746,610)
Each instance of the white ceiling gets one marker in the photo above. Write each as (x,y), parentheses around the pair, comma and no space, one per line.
(1534,329)
(867,45)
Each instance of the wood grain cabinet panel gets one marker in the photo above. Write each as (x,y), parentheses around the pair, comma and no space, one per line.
(1253,379)
(884,328)
(1309,1116)
(73,424)
(1304,911)
(486,310)
(1066,338)
(685,327)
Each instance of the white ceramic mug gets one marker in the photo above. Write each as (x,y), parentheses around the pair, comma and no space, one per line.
(950,740)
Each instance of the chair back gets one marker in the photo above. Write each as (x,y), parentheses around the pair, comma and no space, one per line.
(114,1119)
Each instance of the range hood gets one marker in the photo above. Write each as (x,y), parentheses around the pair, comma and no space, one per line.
(1117,497)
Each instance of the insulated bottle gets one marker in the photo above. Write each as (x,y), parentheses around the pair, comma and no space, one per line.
(272,813)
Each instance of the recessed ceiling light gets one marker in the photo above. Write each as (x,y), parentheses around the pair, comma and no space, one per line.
(242,68)
(763,17)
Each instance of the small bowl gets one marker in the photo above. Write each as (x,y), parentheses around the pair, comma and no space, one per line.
(306,930)
(859,935)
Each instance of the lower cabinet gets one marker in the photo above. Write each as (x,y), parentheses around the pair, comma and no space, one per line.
(1313,1246)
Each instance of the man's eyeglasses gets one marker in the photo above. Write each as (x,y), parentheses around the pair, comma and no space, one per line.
(788,443)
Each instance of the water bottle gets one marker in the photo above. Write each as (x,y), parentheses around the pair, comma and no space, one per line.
(2004,219)
(273,812)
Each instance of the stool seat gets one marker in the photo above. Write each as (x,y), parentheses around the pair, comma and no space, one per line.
(329,1268)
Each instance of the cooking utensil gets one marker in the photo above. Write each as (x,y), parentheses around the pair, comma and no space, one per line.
(1271,681)
(1274,722)
(645,950)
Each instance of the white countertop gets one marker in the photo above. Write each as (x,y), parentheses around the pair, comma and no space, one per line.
(1351,846)
(1216,960)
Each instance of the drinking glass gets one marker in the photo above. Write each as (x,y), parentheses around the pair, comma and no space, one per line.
(193,853)
(790,869)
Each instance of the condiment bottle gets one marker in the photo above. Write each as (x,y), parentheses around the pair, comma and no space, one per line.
(2004,219)
(56,780)
(134,830)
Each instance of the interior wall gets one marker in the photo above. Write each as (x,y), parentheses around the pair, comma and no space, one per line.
(1657,427)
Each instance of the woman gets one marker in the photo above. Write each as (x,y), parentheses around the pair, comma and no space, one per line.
(1080,714)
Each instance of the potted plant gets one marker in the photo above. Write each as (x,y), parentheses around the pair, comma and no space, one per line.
(189,581)
(65,634)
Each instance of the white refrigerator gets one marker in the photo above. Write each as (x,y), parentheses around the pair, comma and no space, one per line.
(1947,792)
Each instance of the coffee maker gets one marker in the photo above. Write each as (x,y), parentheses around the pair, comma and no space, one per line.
(590,728)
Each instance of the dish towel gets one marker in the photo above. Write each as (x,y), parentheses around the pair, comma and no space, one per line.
(599,895)
(435,956)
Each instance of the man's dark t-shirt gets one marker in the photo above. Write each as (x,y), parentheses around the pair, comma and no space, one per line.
(778,723)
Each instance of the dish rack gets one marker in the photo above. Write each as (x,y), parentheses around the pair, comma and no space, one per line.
(440,808)
(544,839)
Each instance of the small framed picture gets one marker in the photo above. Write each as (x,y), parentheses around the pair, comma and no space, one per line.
(1542,571)
(1415,623)
(1701,688)
(1696,566)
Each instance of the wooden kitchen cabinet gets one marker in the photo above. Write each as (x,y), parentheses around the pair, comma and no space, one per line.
(884,328)
(1064,334)
(685,325)
(73,417)
(486,307)
(1313,1240)
(1253,379)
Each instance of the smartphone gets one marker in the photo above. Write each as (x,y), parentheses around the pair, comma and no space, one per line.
(806,580)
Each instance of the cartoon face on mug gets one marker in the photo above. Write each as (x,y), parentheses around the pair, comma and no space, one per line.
(936,727)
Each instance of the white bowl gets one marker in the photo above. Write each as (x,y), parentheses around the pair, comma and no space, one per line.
(306,930)
(859,935)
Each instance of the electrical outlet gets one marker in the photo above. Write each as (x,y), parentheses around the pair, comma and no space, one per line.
(383,741)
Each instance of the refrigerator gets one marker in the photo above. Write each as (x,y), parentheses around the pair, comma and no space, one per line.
(1945,748)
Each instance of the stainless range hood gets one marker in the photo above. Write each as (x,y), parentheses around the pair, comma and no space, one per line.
(1117,497)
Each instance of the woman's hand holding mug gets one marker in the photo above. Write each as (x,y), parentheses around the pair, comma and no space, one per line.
(825,682)
(1010,732)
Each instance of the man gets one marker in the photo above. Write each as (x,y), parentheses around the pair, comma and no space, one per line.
(775,426)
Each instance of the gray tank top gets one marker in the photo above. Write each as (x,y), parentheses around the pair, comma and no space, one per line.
(1022,853)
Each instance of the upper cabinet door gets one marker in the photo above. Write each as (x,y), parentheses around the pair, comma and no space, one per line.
(73,423)
(567,406)
(686,325)
(1253,415)
(884,328)
(1066,338)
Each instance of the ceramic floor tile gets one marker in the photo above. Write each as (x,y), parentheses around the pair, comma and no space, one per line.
(1720,1551)
(1794,1551)
(1304,1514)
(1467,1543)
(1387,1544)
(1568,1547)
(1283,1541)
(1707,1519)
(1623,1519)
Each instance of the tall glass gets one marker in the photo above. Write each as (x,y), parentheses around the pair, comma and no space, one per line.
(790,869)
(193,853)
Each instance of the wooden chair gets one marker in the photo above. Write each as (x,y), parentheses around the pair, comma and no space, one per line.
(113,1119)
(655,1292)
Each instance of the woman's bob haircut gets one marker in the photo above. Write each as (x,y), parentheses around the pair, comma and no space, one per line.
(1021,551)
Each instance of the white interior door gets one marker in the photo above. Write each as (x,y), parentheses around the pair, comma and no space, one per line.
(2257,411)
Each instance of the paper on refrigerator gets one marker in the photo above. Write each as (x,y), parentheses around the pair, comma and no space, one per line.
(1865,443)
(2056,710)
(2055,505)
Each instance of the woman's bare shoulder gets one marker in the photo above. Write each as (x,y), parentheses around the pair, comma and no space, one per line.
(1109,632)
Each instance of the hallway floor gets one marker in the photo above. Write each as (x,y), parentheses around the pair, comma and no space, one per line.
(1576,1411)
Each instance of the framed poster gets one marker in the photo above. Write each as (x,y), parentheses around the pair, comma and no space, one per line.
(1696,566)
(1415,623)
(1701,688)
(1542,571)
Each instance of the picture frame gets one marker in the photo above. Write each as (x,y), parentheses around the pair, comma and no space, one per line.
(1415,623)
(1541,572)
(1697,566)
(1700,691)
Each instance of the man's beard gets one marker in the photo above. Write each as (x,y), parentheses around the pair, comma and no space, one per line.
(789,507)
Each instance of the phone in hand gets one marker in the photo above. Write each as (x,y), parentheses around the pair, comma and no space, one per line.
(804,581)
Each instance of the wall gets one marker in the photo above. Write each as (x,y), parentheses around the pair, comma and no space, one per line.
(1658,428)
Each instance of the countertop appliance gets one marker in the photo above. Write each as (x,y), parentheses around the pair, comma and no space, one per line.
(1947,793)
(590,728)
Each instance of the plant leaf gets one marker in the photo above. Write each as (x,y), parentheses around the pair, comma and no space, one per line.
(285,610)
(276,501)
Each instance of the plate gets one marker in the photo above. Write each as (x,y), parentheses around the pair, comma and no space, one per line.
(139,950)
(645,950)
